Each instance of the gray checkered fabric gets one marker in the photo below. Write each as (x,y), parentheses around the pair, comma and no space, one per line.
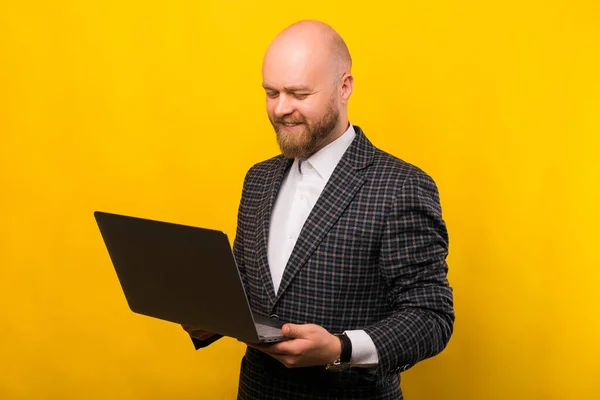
(370,256)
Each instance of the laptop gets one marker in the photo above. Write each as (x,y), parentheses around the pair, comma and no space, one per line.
(183,274)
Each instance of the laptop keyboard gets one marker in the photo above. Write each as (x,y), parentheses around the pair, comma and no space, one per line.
(267,331)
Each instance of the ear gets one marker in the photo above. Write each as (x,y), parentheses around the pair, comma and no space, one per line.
(347,87)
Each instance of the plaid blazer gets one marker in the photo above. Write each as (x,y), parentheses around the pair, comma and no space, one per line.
(370,256)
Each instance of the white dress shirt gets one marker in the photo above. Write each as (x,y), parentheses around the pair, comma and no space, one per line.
(300,189)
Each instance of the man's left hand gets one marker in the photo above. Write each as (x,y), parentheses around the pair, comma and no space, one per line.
(309,345)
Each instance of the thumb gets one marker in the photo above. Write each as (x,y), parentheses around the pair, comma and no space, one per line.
(293,331)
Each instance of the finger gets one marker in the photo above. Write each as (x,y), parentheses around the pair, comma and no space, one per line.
(289,330)
(263,350)
(269,349)
(261,346)
(282,358)
(288,348)
(296,331)
(288,358)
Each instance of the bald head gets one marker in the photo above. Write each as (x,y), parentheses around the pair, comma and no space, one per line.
(316,42)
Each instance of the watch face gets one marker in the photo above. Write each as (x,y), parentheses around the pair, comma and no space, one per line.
(337,366)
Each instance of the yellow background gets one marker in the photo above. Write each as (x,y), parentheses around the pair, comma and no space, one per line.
(155,109)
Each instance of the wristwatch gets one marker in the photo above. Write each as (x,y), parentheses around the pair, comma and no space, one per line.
(343,362)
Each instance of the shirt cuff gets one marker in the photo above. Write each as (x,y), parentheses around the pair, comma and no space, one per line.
(364,353)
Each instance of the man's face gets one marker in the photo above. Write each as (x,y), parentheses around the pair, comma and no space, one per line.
(302,103)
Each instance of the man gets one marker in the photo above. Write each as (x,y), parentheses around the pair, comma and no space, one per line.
(336,237)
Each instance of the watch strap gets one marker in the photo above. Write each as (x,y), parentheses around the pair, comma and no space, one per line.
(346,353)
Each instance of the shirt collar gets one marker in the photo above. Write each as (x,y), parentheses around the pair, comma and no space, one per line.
(325,160)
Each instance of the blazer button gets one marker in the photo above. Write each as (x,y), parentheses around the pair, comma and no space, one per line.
(274,316)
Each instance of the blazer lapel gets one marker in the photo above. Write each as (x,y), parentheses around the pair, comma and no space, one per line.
(341,188)
(272,185)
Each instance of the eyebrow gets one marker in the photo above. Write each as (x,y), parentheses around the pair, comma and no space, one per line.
(290,88)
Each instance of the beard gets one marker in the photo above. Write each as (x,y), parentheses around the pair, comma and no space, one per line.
(306,140)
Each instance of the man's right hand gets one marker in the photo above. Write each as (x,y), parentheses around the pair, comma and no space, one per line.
(197,333)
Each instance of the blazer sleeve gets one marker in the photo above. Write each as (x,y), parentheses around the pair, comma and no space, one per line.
(413,262)
(238,253)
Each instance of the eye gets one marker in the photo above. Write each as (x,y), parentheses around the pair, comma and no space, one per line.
(272,95)
(300,96)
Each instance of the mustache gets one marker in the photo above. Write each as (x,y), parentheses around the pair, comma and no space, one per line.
(289,120)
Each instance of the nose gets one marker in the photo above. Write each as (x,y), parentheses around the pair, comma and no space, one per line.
(284,106)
